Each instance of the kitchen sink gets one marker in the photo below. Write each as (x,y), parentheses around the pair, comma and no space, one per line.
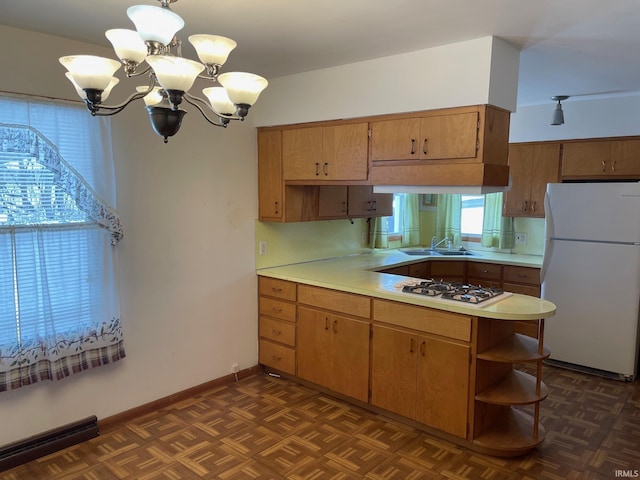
(428,251)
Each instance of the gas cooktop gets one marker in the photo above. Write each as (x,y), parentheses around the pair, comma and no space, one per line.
(460,292)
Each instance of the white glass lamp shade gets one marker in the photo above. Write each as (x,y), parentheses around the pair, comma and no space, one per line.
(127,44)
(153,98)
(219,100)
(155,24)
(89,71)
(175,73)
(81,93)
(212,49)
(242,88)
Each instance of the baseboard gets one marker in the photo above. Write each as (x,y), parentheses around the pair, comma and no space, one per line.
(115,421)
(36,446)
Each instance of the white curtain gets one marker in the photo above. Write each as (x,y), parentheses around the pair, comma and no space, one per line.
(59,306)
(411,220)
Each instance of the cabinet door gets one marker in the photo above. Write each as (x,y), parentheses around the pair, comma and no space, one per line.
(270,184)
(364,203)
(443,385)
(395,139)
(449,136)
(546,167)
(516,200)
(586,159)
(345,149)
(314,346)
(332,201)
(625,158)
(302,153)
(393,370)
(531,167)
(350,357)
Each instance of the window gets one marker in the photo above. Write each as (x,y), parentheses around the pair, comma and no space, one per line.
(394,222)
(472,216)
(59,308)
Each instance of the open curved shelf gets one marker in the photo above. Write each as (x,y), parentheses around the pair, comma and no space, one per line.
(512,436)
(517,348)
(517,388)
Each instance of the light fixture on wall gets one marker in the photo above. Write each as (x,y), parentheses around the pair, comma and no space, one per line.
(558,114)
(171,76)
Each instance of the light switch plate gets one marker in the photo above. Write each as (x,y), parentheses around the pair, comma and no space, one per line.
(521,238)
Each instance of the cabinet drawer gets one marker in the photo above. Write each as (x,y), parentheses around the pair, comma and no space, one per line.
(488,271)
(446,268)
(528,275)
(278,331)
(334,300)
(278,357)
(277,288)
(452,325)
(484,282)
(402,270)
(276,308)
(419,270)
(531,290)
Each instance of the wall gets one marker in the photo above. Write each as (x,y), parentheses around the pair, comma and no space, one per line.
(452,75)
(186,264)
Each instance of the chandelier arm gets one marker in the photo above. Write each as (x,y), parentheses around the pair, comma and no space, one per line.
(134,74)
(195,101)
(113,109)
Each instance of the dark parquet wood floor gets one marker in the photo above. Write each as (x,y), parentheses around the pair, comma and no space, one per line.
(267,428)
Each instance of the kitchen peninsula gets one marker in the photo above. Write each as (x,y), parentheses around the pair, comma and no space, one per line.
(445,366)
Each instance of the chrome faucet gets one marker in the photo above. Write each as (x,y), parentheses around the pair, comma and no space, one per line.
(435,243)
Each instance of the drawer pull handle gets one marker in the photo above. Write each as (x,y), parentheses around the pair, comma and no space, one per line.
(485,271)
(277,310)
(276,289)
(411,346)
(326,323)
(424,147)
(277,358)
(613,166)
(413,146)
(325,168)
(423,346)
(317,169)
(604,166)
(276,332)
(335,326)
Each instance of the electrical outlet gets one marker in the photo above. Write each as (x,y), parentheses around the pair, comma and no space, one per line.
(263,247)
(521,238)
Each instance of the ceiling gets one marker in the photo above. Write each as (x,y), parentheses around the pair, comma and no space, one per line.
(581,48)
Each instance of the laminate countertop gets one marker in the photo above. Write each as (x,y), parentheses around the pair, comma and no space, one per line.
(358,274)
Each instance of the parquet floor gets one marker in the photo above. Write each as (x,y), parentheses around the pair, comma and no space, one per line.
(269,428)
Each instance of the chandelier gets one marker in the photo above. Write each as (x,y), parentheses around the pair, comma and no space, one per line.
(170,75)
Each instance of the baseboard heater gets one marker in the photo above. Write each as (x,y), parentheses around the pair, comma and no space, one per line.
(31,448)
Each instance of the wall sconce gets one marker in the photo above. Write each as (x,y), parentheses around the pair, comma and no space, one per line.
(558,114)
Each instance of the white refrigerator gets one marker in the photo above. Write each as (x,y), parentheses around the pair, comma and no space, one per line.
(591,272)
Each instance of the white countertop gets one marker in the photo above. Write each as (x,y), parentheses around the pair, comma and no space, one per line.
(357,274)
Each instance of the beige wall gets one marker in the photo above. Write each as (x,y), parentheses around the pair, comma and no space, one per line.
(186,264)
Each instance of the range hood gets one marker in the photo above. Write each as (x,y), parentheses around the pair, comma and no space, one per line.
(441,189)
(465,178)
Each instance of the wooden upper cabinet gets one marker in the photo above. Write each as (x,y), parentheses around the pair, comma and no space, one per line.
(270,184)
(332,201)
(601,159)
(326,153)
(364,203)
(428,138)
(532,167)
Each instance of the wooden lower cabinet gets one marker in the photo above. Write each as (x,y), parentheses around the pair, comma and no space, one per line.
(453,373)
(333,351)
(421,377)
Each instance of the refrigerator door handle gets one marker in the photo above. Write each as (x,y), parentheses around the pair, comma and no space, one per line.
(548,234)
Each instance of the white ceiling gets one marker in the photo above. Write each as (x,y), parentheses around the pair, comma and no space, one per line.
(569,47)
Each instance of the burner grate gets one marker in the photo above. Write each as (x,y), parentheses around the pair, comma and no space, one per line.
(453,291)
